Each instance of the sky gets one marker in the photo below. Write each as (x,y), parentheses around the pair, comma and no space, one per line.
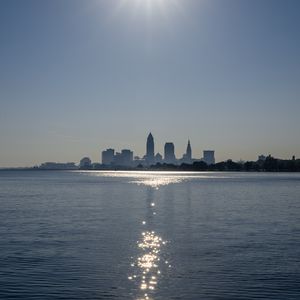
(77,77)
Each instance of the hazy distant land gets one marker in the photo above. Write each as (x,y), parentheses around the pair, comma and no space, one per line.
(270,164)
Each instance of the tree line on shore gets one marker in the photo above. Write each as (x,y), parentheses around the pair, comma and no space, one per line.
(270,164)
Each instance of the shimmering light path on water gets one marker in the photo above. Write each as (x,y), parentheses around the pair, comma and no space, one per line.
(149,235)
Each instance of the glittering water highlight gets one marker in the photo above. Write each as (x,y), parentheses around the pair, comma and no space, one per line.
(149,265)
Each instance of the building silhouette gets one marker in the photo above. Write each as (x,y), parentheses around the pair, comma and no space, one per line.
(149,157)
(127,156)
(158,158)
(85,163)
(187,157)
(209,157)
(189,151)
(170,153)
(124,159)
(108,156)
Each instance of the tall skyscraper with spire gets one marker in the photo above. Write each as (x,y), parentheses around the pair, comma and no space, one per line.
(187,157)
(189,151)
(150,149)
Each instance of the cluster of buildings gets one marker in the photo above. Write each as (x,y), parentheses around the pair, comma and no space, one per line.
(125,158)
(112,159)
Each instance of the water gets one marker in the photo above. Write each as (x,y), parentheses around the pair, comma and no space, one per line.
(135,235)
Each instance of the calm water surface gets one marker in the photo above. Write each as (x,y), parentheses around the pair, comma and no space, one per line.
(135,235)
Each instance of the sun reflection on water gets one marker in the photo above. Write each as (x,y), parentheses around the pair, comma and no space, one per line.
(148,178)
(150,265)
(146,267)
(154,179)
(157,181)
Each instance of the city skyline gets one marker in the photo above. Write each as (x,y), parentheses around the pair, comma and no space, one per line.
(168,154)
(80,76)
(126,157)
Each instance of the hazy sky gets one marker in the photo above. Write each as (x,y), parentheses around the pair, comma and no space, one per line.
(80,76)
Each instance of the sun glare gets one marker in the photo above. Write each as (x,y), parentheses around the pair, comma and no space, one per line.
(150,6)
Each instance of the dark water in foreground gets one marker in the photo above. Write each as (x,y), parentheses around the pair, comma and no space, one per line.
(122,235)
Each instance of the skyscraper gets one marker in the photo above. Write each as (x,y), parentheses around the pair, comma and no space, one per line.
(188,154)
(123,159)
(187,157)
(127,157)
(108,156)
(150,149)
(209,156)
(170,153)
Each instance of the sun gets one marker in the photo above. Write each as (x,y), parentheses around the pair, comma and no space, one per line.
(147,3)
(149,6)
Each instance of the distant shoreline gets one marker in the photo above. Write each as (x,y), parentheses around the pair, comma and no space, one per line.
(139,170)
(270,164)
